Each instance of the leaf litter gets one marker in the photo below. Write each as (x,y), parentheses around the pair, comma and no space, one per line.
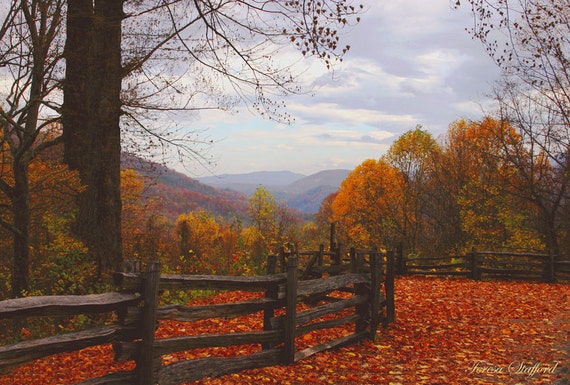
(447,331)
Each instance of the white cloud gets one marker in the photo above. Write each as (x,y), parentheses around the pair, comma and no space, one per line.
(337,114)
(410,63)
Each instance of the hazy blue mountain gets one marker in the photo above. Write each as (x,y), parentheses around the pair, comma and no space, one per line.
(307,194)
(304,193)
(266,178)
(332,178)
(228,194)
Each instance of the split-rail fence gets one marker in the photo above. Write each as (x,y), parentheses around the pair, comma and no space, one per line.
(489,264)
(366,275)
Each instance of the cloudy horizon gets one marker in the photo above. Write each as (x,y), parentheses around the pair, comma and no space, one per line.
(408,65)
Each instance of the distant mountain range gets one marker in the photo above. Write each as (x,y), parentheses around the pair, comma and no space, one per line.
(298,191)
(227,195)
(266,178)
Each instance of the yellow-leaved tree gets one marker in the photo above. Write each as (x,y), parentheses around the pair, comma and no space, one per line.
(198,234)
(485,186)
(413,156)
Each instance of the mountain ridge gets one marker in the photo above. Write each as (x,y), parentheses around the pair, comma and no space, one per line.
(277,178)
(228,195)
(304,192)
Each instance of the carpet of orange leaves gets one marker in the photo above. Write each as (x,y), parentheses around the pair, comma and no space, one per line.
(447,331)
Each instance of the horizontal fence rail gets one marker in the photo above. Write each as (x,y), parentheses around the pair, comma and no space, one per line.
(364,279)
(58,306)
(491,264)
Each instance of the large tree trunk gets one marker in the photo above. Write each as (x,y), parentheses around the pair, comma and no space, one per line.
(91,115)
(21,210)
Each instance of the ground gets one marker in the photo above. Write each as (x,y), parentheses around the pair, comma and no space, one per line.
(447,331)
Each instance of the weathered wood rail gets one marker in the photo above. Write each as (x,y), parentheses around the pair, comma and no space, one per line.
(368,278)
(492,264)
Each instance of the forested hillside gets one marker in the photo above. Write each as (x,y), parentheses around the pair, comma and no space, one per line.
(181,194)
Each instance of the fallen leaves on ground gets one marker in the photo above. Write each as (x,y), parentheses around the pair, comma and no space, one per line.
(447,331)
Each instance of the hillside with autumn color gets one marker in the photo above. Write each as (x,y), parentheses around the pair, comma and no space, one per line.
(180,194)
(447,331)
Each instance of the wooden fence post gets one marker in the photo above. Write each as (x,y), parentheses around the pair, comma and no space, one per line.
(291,310)
(475,268)
(271,264)
(352,255)
(400,261)
(375,286)
(282,260)
(332,242)
(269,309)
(129,316)
(550,274)
(357,266)
(389,287)
(336,258)
(146,371)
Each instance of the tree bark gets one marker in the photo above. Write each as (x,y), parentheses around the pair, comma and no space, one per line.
(91,121)
(22,215)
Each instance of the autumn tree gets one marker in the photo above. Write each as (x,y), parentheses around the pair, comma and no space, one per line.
(30,62)
(228,248)
(476,173)
(365,208)
(198,233)
(59,262)
(139,209)
(462,161)
(540,160)
(288,225)
(533,96)
(52,189)
(226,46)
(413,155)
(323,221)
(262,209)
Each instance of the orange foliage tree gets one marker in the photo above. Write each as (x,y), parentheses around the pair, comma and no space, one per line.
(529,42)
(366,205)
(469,191)
(51,247)
(146,233)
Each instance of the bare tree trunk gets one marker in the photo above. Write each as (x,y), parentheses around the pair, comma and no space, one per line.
(22,214)
(91,117)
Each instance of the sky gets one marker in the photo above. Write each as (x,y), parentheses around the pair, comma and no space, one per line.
(410,63)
